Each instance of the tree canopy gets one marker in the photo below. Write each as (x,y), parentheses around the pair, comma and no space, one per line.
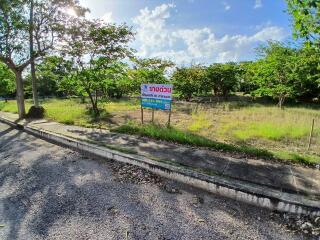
(7,86)
(306,20)
(49,19)
(93,48)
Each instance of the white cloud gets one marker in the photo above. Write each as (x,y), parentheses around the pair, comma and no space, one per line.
(152,31)
(257,4)
(155,38)
(262,25)
(226,5)
(107,17)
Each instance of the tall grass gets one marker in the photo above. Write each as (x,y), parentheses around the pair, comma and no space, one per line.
(199,121)
(68,111)
(268,123)
(260,125)
(121,105)
(11,106)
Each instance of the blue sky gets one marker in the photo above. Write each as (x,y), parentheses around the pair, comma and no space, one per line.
(198,31)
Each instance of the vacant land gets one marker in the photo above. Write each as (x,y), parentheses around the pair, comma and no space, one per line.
(250,127)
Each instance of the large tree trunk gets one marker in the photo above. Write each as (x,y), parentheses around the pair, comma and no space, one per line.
(281,101)
(20,94)
(32,63)
(94,104)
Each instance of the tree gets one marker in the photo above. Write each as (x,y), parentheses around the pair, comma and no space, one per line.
(191,81)
(149,70)
(306,20)
(116,80)
(245,76)
(307,84)
(13,26)
(276,74)
(43,30)
(7,86)
(223,78)
(93,47)
(50,72)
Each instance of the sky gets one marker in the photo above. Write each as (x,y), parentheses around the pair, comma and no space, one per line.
(197,31)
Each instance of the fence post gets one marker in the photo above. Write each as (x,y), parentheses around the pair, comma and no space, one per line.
(310,136)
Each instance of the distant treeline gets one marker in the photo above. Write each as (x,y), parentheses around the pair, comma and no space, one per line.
(281,72)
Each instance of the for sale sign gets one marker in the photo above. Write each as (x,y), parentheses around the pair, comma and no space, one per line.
(157,96)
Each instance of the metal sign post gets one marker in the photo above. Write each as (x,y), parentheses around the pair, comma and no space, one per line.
(169,119)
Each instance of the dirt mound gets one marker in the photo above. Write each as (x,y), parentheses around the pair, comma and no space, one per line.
(36,112)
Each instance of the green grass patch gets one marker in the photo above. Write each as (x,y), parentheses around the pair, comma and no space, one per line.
(199,121)
(68,111)
(265,122)
(74,112)
(118,105)
(174,135)
(298,158)
(11,106)
(270,131)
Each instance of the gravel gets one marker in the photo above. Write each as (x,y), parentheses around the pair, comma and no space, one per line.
(49,192)
(308,225)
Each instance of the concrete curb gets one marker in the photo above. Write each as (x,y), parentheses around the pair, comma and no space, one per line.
(239,190)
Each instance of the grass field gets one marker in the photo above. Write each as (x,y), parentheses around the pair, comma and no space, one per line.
(255,129)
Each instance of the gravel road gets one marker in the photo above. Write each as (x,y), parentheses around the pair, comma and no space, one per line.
(49,192)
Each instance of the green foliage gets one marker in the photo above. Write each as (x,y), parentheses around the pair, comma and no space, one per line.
(29,30)
(7,84)
(308,74)
(150,70)
(275,74)
(284,72)
(245,77)
(191,81)
(116,81)
(306,15)
(95,48)
(223,78)
(50,73)
(197,80)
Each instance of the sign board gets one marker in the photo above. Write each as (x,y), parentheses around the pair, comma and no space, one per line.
(156,96)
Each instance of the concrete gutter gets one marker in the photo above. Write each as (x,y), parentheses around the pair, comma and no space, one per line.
(254,194)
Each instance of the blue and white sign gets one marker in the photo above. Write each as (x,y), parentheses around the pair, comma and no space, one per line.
(157,96)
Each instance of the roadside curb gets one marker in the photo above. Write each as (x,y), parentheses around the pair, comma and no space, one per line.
(239,190)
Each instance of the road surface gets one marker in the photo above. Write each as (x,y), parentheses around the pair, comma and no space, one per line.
(49,192)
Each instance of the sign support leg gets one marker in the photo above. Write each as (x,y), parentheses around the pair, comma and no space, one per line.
(141,115)
(169,117)
(152,115)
